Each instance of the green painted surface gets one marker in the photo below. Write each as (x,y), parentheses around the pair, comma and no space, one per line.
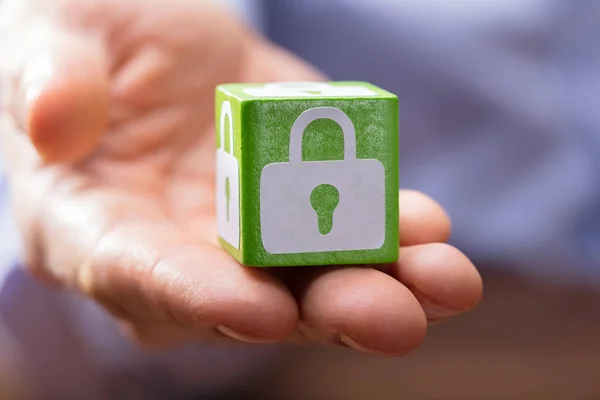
(262,136)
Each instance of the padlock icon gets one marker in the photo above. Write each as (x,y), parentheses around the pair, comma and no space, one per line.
(289,223)
(227,185)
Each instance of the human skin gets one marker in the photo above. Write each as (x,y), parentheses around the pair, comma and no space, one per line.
(107,136)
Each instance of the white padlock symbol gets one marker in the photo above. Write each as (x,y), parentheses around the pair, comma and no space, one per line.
(289,222)
(228,183)
(308,89)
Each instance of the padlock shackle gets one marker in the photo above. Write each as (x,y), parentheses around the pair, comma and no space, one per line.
(314,114)
(226,112)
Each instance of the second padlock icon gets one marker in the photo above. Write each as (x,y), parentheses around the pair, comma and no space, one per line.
(227,182)
(349,214)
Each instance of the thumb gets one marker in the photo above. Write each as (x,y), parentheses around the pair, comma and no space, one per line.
(61,96)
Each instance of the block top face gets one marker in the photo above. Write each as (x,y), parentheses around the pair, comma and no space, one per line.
(304,91)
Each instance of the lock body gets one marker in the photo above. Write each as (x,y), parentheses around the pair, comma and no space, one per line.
(288,220)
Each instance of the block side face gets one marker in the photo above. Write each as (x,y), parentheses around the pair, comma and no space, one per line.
(393,178)
(281,192)
(228,175)
(305,90)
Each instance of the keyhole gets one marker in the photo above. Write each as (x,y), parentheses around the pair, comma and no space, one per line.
(227,195)
(324,200)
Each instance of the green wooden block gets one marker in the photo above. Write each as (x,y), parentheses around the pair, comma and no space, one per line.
(307,173)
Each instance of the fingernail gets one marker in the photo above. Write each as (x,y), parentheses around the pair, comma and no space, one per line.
(435,312)
(34,78)
(238,336)
(306,330)
(348,341)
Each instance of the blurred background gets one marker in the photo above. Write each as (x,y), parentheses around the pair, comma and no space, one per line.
(527,340)
(500,123)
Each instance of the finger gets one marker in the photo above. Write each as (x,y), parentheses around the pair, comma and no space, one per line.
(155,275)
(422,220)
(126,253)
(59,94)
(443,279)
(361,308)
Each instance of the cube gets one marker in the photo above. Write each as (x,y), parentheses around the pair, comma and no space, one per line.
(307,173)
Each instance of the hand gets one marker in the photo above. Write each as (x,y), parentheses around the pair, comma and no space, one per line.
(107,132)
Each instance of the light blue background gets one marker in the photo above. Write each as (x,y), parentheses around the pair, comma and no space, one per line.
(499,112)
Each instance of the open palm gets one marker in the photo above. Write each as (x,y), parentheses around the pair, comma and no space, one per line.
(113,184)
